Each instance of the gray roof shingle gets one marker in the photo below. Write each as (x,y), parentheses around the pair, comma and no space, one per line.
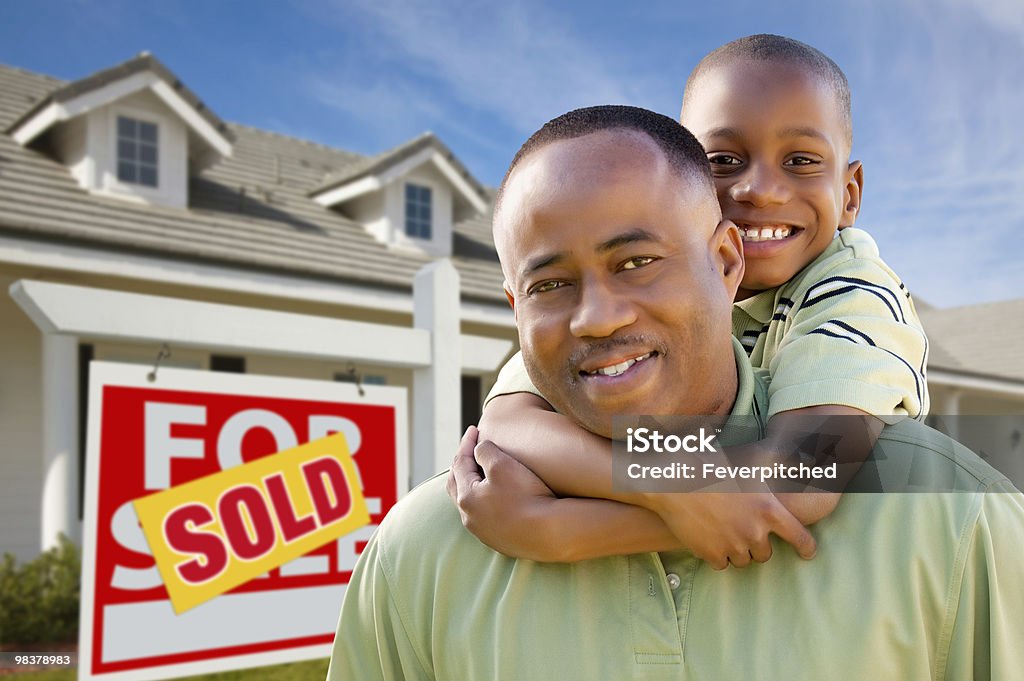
(373,165)
(138,64)
(251,210)
(982,339)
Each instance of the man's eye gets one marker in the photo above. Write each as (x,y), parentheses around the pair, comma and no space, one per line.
(801,161)
(638,262)
(723,160)
(546,286)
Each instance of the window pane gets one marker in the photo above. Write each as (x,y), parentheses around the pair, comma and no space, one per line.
(126,150)
(126,172)
(147,154)
(425,195)
(147,176)
(125,127)
(147,132)
(410,192)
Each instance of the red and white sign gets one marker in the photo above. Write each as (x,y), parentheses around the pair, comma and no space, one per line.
(144,437)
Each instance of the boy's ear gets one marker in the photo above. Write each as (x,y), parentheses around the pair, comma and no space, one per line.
(852,194)
(727,244)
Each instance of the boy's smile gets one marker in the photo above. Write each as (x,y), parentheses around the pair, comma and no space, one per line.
(778,146)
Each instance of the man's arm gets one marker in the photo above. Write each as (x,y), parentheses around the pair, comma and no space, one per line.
(371,643)
(988,614)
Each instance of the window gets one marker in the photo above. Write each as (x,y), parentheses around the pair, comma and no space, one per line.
(227,363)
(417,211)
(472,392)
(136,152)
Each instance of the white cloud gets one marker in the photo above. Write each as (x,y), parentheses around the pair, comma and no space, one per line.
(519,63)
(945,177)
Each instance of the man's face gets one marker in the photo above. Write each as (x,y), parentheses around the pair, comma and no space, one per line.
(778,147)
(622,280)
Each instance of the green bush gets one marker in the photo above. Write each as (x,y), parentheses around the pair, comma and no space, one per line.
(39,600)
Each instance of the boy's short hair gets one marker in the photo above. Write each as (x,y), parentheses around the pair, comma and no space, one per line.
(776,48)
(682,150)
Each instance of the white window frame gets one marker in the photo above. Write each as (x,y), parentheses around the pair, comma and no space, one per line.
(405,217)
(137,164)
(129,189)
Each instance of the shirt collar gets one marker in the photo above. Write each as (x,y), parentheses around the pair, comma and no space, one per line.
(760,306)
(746,421)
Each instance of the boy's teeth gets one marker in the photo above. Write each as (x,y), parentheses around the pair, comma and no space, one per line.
(616,369)
(764,233)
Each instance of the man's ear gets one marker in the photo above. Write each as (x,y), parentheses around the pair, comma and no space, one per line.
(727,245)
(851,194)
(511,298)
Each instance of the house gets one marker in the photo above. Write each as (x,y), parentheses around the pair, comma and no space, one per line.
(125,202)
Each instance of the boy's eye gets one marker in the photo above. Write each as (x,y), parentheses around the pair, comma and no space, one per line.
(638,262)
(723,160)
(801,161)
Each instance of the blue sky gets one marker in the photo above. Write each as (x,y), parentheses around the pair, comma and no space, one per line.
(938,89)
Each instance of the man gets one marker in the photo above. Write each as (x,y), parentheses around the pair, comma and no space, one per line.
(615,254)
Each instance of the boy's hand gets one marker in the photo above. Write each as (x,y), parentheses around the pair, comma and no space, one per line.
(501,501)
(809,507)
(731,528)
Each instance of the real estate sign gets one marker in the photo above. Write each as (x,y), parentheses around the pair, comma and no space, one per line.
(220,467)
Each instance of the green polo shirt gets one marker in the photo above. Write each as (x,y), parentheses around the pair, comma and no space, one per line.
(904,586)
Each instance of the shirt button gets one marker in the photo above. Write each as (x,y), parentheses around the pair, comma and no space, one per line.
(673,581)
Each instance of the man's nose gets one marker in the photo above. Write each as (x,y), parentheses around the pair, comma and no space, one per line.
(601,310)
(760,185)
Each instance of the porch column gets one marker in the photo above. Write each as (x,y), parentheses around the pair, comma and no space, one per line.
(437,388)
(60,440)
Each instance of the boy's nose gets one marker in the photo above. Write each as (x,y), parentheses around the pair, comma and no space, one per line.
(601,311)
(760,187)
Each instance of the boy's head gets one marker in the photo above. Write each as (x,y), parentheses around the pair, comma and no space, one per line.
(773,115)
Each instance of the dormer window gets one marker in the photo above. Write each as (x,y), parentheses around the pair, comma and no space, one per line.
(418,212)
(137,146)
(408,198)
(132,132)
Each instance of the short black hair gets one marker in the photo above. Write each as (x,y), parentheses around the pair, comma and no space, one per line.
(682,150)
(777,48)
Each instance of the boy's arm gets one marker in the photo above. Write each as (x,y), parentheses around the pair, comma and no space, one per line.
(721,528)
(822,434)
(512,511)
(818,436)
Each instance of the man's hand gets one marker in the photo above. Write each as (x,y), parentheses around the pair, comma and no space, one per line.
(501,501)
(731,528)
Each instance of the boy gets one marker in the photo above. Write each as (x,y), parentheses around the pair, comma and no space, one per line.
(832,324)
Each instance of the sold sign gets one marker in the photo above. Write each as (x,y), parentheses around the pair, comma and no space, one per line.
(217,532)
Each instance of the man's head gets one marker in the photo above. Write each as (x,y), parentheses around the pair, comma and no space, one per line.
(773,115)
(619,267)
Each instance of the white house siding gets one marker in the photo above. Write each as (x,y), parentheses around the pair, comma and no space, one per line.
(21,468)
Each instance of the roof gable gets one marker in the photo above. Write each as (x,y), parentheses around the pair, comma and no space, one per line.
(372,173)
(102,88)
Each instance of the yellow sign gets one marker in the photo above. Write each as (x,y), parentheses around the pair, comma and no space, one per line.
(212,534)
